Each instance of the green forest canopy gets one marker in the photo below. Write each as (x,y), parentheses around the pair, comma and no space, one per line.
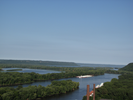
(37,62)
(117,89)
(128,67)
(33,92)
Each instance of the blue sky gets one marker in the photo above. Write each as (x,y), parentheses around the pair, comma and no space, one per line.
(83,31)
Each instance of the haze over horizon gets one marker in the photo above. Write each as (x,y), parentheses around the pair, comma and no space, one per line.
(64,61)
(98,32)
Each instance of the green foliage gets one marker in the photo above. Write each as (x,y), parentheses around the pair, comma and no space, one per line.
(15,78)
(128,67)
(84,98)
(33,62)
(19,87)
(0,69)
(118,72)
(117,89)
(66,69)
(14,70)
(33,92)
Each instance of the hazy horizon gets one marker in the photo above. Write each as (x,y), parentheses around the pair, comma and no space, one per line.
(66,61)
(72,31)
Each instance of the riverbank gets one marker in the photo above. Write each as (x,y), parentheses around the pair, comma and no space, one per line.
(14,70)
(33,92)
(117,89)
(78,93)
(13,78)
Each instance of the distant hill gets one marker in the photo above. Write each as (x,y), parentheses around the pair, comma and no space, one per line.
(39,62)
(128,67)
(100,65)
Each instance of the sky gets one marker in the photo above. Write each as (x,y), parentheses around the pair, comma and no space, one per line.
(81,31)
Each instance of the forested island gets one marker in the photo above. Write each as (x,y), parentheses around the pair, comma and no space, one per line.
(15,78)
(117,89)
(33,92)
(14,70)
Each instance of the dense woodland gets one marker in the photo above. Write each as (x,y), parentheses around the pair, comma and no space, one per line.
(128,67)
(35,62)
(117,89)
(14,78)
(14,70)
(66,69)
(33,92)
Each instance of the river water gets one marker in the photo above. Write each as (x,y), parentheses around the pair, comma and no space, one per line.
(79,93)
(76,94)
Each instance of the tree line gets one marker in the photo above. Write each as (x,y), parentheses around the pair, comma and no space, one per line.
(117,89)
(37,62)
(66,69)
(128,67)
(33,92)
(15,78)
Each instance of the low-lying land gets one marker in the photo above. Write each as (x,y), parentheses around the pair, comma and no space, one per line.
(117,89)
(15,78)
(14,70)
(33,92)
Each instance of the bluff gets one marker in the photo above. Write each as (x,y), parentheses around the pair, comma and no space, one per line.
(128,67)
(37,62)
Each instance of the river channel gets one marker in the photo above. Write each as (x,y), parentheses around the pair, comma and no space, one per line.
(76,94)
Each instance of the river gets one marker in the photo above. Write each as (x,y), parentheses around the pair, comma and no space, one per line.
(76,94)
(79,93)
